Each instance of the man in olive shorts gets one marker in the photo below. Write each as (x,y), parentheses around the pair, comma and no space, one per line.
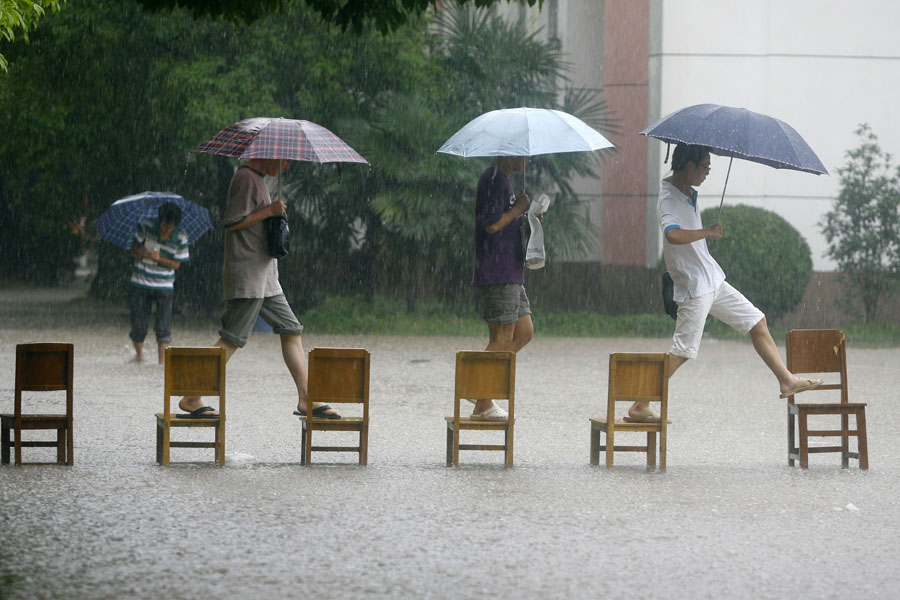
(499,270)
(251,284)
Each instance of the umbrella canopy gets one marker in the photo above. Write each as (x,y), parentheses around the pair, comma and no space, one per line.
(119,222)
(738,133)
(278,138)
(524,132)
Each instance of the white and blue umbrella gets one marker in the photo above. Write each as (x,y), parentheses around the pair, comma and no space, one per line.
(524,132)
(119,222)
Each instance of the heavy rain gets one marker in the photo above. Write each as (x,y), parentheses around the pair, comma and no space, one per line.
(386,134)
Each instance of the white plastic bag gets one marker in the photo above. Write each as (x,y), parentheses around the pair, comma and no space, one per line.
(534,252)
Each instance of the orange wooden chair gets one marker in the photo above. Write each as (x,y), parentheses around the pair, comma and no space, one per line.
(338,376)
(489,376)
(632,378)
(40,368)
(192,372)
(823,351)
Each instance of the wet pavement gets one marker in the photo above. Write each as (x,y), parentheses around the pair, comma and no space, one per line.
(728,519)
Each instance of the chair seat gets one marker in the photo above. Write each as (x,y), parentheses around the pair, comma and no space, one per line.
(342,424)
(469,423)
(826,408)
(623,425)
(188,421)
(37,421)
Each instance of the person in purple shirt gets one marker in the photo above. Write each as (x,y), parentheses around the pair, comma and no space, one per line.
(499,272)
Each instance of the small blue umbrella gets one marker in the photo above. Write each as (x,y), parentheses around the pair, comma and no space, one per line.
(119,222)
(738,133)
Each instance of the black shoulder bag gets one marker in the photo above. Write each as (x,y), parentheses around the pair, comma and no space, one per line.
(277,232)
(668,294)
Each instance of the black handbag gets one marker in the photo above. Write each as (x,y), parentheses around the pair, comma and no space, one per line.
(277,233)
(668,294)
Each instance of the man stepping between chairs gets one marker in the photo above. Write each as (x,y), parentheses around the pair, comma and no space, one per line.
(700,287)
(499,272)
(251,283)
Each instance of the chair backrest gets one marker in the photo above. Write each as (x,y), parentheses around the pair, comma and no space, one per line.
(195,372)
(339,376)
(635,377)
(818,351)
(44,368)
(485,376)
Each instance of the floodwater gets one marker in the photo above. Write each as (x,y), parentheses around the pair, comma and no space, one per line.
(729,519)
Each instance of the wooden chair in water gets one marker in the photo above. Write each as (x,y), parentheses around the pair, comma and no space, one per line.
(192,372)
(482,376)
(633,378)
(337,376)
(823,351)
(40,368)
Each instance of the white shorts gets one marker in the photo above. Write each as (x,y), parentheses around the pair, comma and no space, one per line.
(726,304)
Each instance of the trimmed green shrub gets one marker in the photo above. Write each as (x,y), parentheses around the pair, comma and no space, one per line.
(763,256)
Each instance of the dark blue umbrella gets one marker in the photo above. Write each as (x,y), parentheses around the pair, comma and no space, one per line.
(738,133)
(120,221)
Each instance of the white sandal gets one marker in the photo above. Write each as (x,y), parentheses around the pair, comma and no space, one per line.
(494,413)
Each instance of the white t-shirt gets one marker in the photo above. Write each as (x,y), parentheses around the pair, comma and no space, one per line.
(694,272)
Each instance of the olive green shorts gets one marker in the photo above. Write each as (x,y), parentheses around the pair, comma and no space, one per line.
(241,313)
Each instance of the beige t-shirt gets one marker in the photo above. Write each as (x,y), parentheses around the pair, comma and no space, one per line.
(249,270)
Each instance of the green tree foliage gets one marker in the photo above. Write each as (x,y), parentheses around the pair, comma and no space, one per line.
(109,100)
(22,16)
(863,227)
(763,256)
(385,15)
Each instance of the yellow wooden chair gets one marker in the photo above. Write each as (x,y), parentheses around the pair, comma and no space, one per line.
(482,376)
(192,372)
(633,378)
(337,376)
(823,351)
(40,368)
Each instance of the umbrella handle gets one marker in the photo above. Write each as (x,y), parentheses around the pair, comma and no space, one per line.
(722,201)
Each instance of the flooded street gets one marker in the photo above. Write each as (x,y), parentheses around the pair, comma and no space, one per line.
(728,519)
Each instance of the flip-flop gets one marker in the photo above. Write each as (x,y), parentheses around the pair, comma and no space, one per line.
(200,413)
(802,385)
(319,413)
(494,413)
(649,417)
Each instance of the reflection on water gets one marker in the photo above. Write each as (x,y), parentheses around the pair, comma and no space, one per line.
(729,519)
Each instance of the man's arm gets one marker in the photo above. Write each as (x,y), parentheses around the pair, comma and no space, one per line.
(275,209)
(521,205)
(680,236)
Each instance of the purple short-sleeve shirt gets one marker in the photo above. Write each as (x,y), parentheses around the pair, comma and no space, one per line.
(499,258)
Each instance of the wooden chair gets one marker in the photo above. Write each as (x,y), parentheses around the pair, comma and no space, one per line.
(337,376)
(633,378)
(192,372)
(823,351)
(40,368)
(482,376)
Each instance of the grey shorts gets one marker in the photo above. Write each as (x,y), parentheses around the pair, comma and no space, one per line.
(504,303)
(240,316)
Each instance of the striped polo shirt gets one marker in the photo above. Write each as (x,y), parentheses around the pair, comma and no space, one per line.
(148,273)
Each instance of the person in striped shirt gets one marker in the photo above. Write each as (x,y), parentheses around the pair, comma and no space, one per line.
(159,248)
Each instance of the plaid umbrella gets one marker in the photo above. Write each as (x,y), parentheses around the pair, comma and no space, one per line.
(280,138)
(120,221)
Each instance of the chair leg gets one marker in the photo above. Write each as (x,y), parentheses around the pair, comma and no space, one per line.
(663,439)
(509,446)
(651,449)
(790,430)
(165,444)
(455,448)
(364,445)
(303,444)
(70,446)
(845,440)
(18,446)
(609,447)
(595,445)
(307,454)
(4,444)
(159,443)
(861,441)
(449,446)
(220,444)
(60,446)
(804,439)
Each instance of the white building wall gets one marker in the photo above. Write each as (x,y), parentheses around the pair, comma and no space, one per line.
(822,66)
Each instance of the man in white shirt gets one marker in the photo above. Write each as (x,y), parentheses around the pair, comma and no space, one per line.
(700,286)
